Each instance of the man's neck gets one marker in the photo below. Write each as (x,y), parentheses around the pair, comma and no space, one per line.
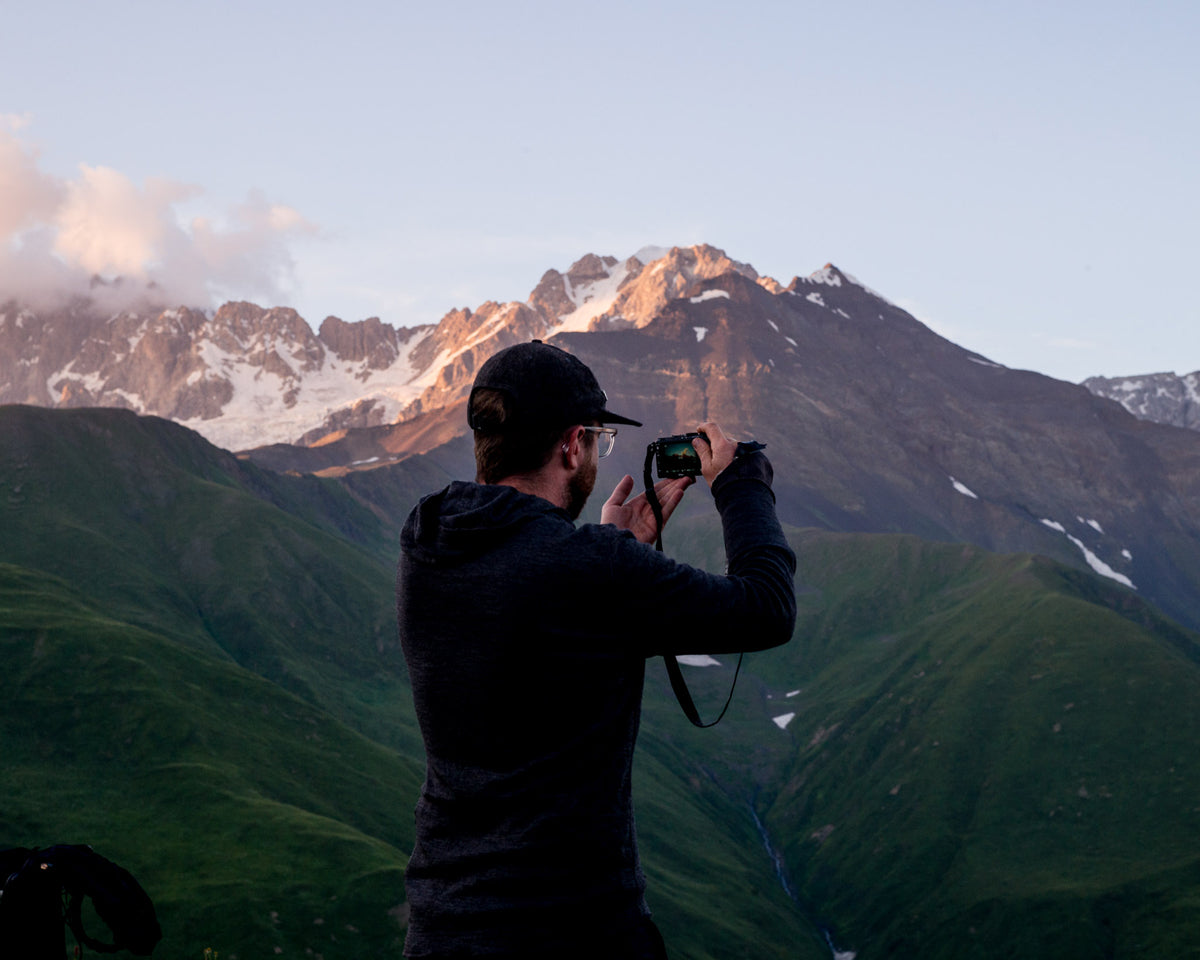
(538,485)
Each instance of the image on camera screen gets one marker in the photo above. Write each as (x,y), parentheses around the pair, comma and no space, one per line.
(678,458)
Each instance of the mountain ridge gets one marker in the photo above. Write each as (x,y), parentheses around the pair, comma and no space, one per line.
(245,375)
(874,423)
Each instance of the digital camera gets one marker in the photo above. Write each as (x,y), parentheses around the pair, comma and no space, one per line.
(675,456)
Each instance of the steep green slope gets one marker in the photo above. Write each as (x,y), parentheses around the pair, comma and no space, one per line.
(164,531)
(986,756)
(247,813)
(960,754)
(199,651)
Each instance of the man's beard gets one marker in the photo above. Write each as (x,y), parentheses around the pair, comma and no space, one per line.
(579,488)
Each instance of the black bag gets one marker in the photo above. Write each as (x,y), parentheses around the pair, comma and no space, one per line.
(42,889)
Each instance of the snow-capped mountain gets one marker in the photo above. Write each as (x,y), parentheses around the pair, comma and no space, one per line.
(1161,397)
(873,421)
(246,376)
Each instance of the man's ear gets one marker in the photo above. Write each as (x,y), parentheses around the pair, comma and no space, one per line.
(570,447)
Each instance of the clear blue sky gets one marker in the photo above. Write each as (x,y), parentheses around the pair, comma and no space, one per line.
(1021,176)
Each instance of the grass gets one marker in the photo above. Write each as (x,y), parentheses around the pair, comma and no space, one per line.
(225,795)
(988,756)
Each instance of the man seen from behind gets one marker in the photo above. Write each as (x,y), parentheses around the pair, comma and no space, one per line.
(526,638)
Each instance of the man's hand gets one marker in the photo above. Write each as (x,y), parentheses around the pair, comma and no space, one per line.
(636,515)
(715,455)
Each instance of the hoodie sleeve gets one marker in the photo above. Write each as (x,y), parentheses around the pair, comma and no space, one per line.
(675,608)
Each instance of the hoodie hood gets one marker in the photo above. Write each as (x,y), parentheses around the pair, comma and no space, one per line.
(467,519)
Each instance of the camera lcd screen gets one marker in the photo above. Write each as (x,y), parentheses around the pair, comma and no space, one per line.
(678,458)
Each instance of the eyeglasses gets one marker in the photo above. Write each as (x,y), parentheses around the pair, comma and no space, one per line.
(605,438)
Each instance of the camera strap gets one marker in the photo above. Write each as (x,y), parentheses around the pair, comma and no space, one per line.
(682,693)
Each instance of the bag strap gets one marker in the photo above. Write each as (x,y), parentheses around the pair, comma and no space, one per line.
(75,922)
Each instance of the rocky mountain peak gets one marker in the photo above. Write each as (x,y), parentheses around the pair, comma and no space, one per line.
(248,374)
(589,269)
(828,275)
(1162,397)
(371,341)
(248,321)
(631,293)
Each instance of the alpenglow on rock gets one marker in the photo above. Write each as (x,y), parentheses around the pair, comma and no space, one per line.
(246,376)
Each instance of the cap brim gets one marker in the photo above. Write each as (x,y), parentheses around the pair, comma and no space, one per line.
(605,417)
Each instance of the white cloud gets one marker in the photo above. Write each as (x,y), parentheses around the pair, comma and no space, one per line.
(108,226)
(57,234)
(27,196)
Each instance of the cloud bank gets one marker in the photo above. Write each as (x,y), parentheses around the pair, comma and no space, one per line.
(102,235)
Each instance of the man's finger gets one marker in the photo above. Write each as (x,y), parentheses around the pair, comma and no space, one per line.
(721,451)
(712,430)
(670,493)
(620,492)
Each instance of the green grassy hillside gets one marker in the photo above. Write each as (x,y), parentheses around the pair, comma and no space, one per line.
(202,681)
(960,753)
(1029,730)
(162,530)
(986,756)
(246,812)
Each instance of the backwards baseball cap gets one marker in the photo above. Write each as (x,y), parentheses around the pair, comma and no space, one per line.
(545,386)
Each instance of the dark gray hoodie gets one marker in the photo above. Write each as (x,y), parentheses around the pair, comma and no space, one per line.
(526,639)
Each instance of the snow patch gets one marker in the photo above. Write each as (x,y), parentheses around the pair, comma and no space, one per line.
(985,363)
(792,693)
(258,414)
(815,297)
(591,299)
(826,275)
(791,341)
(709,295)
(1127,555)
(700,332)
(783,720)
(1192,383)
(774,325)
(1093,561)
(1099,565)
(1095,526)
(965,490)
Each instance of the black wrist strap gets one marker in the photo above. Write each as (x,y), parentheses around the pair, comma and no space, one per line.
(682,693)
